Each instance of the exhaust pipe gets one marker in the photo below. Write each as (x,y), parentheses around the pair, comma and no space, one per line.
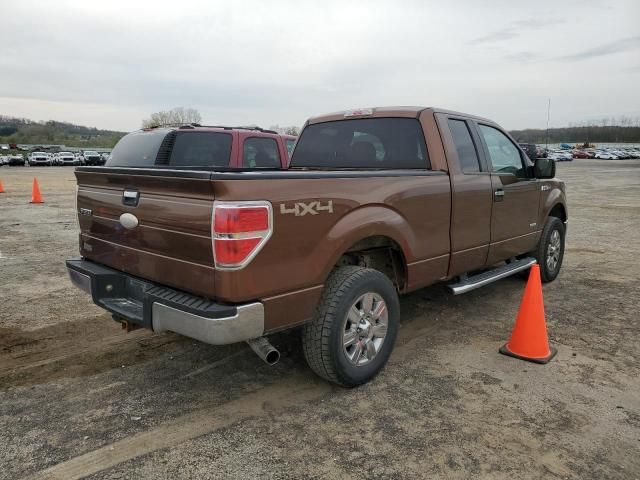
(264,350)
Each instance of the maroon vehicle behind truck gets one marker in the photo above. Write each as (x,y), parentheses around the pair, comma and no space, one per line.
(375,203)
(193,145)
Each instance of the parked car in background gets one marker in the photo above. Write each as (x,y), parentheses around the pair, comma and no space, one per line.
(39,159)
(67,158)
(92,158)
(621,154)
(15,160)
(557,155)
(605,155)
(105,156)
(206,147)
(530,149)
(580,154)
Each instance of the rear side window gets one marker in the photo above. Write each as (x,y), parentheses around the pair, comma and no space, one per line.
(464,146)
(380,143)
(260,153)
(201,149)
(138,149)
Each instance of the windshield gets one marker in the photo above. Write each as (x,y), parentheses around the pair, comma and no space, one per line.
(91,153)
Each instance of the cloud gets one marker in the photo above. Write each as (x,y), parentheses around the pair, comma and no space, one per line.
(494,37)
(523,57)
(515,28)
(622,45)
(253,62)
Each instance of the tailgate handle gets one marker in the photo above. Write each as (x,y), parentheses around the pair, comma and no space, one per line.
(130,198)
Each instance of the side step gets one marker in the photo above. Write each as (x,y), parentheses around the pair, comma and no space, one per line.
(467,284)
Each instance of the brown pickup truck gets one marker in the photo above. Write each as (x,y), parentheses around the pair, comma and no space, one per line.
(375,203)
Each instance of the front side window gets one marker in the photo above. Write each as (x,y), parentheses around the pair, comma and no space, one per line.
(504,155)
(260,153)
(467,154)
(380,143)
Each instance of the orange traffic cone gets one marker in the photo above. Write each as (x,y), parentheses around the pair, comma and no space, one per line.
(529,339)
(1,187)
(36,197)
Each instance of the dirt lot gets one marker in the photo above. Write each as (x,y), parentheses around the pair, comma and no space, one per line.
(79,397)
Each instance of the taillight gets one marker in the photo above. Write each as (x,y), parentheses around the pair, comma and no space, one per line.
(239,231)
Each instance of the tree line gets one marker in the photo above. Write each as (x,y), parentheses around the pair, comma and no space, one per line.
(22,130)
(621,129)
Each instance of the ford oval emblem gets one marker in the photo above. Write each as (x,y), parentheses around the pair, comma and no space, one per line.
(128,220)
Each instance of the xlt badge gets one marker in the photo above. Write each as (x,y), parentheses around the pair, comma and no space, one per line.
(300,209)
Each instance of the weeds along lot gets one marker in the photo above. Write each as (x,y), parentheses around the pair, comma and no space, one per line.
(80,397)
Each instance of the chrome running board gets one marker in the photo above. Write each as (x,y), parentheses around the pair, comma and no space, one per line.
(466,284)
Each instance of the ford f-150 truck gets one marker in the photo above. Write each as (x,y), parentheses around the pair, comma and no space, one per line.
(375,203)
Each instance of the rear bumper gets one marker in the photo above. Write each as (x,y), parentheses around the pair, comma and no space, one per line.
(164,309)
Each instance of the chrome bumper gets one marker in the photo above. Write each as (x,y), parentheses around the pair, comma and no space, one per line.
(164,309)
(247,324)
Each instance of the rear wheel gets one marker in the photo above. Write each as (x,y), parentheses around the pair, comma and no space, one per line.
(355,326)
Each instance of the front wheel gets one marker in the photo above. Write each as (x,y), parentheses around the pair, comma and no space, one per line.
(354,328)
(550,251)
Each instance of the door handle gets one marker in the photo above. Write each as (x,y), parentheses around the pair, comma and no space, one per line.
(498,195)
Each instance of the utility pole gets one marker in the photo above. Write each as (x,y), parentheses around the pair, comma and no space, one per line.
(548,116)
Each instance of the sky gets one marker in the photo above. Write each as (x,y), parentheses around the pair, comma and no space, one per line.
(111,64)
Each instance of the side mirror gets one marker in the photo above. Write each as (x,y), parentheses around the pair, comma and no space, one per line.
(544,168)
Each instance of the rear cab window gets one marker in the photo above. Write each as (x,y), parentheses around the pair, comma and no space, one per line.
(364,143)
(167,148)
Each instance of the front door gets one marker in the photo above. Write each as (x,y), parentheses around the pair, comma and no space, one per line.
(516,197)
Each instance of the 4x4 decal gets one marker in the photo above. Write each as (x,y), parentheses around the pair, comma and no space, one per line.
(300,209)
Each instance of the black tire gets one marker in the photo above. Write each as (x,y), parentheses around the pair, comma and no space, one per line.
(547,273)
(322,338)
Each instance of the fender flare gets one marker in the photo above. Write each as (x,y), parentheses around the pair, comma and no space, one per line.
(365,222)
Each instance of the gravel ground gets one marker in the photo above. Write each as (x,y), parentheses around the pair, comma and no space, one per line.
(81,398)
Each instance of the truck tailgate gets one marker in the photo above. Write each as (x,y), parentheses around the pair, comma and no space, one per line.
(171,243)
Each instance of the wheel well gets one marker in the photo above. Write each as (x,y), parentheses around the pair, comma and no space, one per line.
(380,253)
(558,211)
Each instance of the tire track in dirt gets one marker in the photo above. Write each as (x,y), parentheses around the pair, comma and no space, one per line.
(55,352)
(293,391)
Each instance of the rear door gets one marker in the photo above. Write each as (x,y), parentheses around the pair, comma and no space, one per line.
(516,196)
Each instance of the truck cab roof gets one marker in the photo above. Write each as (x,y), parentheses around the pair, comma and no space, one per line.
(391,111)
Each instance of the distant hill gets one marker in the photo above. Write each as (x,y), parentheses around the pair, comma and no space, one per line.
(592,134)
(22,130)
